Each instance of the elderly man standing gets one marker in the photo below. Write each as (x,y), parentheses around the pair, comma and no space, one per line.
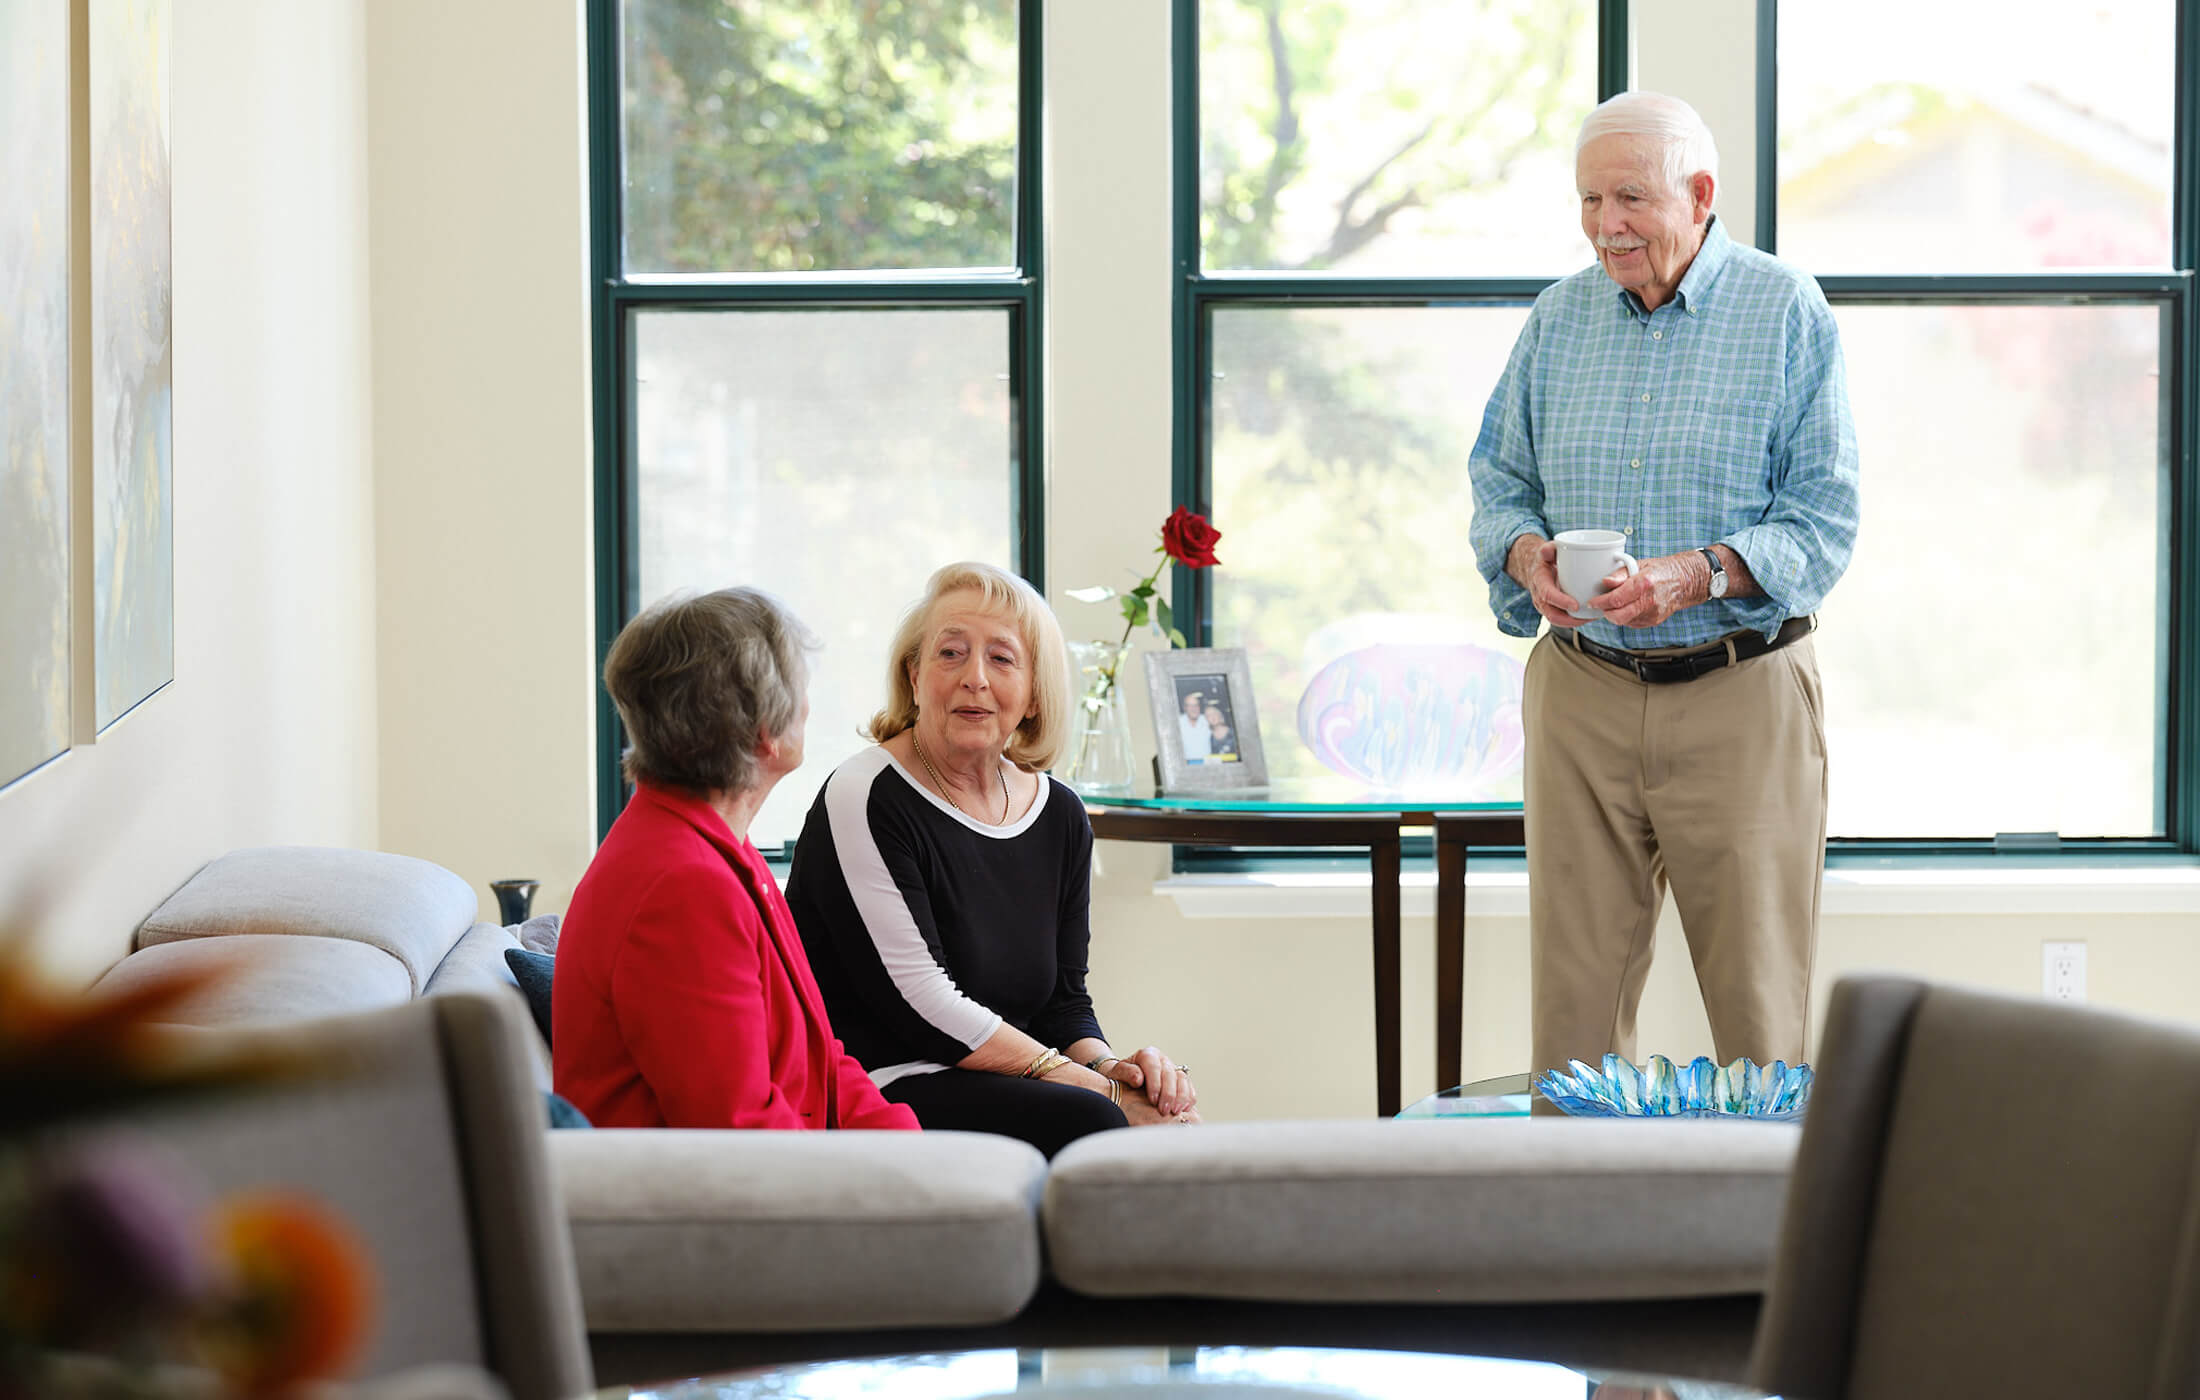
(1698,406)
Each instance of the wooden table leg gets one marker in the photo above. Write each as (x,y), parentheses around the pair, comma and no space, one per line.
(1451,952)
(1389,1052)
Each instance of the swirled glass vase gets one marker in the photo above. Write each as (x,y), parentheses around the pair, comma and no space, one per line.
(1098,757)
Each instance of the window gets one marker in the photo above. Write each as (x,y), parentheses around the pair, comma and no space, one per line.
(817,320)
(1991,214)
(1370,213)
(2005,223)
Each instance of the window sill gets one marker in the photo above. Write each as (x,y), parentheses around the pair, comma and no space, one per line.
(1499,892)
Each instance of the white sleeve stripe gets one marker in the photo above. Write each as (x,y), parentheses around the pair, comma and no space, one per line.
(922,982)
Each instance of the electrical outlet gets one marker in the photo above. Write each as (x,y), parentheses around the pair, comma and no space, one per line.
(2062,971)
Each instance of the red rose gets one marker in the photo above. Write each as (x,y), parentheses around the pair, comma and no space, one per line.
(1189,539)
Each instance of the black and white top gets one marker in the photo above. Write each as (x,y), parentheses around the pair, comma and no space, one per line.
(927,930)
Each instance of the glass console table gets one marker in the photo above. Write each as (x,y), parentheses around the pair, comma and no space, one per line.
(1320,813)
(1507,1096)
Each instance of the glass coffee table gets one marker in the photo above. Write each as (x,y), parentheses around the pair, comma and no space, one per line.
(1196,1373)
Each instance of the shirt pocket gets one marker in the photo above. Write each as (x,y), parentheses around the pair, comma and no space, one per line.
(1727,436)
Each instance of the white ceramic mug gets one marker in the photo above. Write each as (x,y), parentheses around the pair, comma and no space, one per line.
(1584,558)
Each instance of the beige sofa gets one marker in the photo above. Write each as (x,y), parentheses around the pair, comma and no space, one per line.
(1611,1243)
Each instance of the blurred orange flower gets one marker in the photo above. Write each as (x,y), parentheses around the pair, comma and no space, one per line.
(302,1295)
(68,1055)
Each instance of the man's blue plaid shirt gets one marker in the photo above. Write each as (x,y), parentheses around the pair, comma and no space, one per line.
(1721,417)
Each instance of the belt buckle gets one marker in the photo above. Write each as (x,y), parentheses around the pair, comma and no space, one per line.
(1641,667)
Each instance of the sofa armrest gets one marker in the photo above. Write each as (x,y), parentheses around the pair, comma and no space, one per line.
(679,1230)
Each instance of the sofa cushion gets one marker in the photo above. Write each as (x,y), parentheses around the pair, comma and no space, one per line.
(533,971)
(1521,1210)
(269,980)
(410,909)
(689,1230)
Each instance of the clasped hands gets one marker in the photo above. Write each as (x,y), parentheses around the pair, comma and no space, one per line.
(1660,588)
(1166,1096)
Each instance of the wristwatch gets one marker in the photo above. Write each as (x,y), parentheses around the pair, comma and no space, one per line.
(1718,573)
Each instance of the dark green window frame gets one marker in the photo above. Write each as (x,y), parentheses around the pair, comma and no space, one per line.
(616,297)
(1198,294)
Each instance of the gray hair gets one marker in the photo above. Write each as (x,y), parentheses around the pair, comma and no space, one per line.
(1682,140)
(701,681)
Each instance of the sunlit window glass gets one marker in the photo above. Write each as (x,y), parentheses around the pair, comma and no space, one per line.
(818,135)
(839,490)
(1971,686)
(1393,136)
(1339,453)
(1937,136)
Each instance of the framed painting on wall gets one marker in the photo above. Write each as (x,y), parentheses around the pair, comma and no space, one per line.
(133,515)
(34,388)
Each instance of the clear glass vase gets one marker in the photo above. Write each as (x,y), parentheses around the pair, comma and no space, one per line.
(1098,758)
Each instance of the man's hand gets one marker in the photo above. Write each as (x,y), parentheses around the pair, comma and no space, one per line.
(1533,563)
(1664,586)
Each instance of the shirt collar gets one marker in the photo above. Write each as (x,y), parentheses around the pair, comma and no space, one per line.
(1710,260)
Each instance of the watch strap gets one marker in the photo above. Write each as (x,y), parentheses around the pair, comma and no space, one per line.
(1718,571)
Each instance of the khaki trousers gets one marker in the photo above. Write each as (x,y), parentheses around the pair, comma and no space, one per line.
(1716,785)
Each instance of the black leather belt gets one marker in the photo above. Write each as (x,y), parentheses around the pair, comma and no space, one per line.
(1687,665)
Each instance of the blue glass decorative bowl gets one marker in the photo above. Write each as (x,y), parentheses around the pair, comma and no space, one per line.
(1775,1093)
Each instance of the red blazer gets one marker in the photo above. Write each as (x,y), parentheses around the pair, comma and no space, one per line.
(678,1002)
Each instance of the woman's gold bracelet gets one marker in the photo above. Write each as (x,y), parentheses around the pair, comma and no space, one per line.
(1096,1061)
(1045,1063)
(1115,1092)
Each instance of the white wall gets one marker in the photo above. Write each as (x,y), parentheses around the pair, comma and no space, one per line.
(268,732)
(478,160)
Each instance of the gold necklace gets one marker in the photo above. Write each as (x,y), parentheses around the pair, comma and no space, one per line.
(936,782)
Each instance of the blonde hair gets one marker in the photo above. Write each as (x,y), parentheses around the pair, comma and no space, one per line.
(1039,739)
(1684,145)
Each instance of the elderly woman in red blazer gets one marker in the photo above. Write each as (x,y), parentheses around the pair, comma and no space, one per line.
(682,997)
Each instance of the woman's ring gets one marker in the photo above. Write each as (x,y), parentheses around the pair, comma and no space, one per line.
(1183,1069)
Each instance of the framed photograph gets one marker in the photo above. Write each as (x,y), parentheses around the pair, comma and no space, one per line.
(1206,728)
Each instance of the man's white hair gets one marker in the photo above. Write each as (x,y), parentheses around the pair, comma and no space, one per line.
(1683,142)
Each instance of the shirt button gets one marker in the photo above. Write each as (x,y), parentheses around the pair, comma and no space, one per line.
(1636,464)
(1627,529)
(1657,335)
(1646,398)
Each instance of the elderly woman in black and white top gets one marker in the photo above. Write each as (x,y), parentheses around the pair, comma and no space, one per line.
(942,884)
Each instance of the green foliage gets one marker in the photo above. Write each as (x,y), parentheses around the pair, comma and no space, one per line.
(1354,113)
(814,135)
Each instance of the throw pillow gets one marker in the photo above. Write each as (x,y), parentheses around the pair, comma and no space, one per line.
(532,972)
(539,934)
(562,1112)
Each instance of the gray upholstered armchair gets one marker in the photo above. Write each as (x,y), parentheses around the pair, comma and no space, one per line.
(420,1126)
(1993,1196)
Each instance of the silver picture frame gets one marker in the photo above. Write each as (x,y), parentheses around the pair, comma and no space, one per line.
(1218,680)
